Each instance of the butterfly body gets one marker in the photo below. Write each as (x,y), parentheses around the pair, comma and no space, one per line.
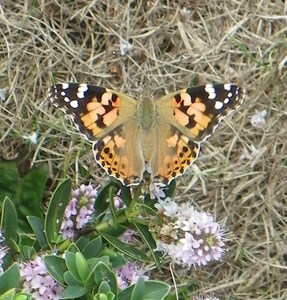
(131,136)
(146,113)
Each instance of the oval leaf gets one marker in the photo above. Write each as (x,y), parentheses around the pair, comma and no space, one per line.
(56,209)
(126,249)
(73,292)
(56,267)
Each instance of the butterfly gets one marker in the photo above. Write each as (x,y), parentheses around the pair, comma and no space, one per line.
(160,136)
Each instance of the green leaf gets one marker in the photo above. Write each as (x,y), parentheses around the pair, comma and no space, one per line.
(56,209)
(148,238)
(9,224)
(101,203)
(10,279)
(155,290)
(102,296)
(104,287)
(126,249)
(23,296)
(103,273)
(82,266)
(72,292)
(72,266)
(139,290)
(37,225)
(126,194)
(93,248)
(148,207)
(56,267)
(93,262)
(9,295)
(70,279)
(9,176)
(117,261)
(33,188)
(73,248)
(112,193)
(82,241)
(26,191)
(27,252)
(170,189)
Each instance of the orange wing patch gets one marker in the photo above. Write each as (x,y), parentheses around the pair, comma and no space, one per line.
(190,114)
(101,113)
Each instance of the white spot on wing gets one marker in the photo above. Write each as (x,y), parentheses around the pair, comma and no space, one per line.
(74,103)
(226,100)
(211,91)
(218,105)
(82,87)
(65,85)
(80,95)
(66,99)
(63,93)
(227,86)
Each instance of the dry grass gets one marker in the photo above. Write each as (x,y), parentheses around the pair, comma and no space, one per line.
(175,44)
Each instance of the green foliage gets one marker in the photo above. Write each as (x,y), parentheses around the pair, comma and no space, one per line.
(126,249)
(25,189)
(10,279)
(55,212)
(83,275)
(37,226)
(9,223)
(145,290)
(87,267)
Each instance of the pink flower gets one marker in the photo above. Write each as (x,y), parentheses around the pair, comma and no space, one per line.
(129,274)
(37,281)
(79,210)
(128,237)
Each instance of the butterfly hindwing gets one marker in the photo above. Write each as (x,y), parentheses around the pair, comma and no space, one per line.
(174,153)
(120,154)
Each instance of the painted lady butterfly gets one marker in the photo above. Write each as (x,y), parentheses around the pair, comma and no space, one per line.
(160,136)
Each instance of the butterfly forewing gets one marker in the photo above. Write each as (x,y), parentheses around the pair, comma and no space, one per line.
(197,111)
(95,110)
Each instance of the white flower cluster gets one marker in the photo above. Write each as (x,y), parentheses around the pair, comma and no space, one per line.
(189,237)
